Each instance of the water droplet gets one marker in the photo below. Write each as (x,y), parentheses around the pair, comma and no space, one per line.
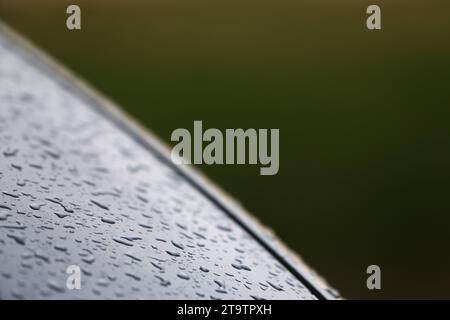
(122,241)
(10,153)
(89,259)
(12,195)
(61,215)
(3,216)
(100,205)
(183,276)
(108,220)
(133,276)
(224,228)
(42,256)
(163,282)
(146,226)
(55,286)
(157,266)
(278,288)
(59,202)
(37,206)
(19,239)
(241,267)
(60,247)
(204,269)
(132,256)
(173,254)
(178,245)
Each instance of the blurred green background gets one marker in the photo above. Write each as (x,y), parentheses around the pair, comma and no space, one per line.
(363,115)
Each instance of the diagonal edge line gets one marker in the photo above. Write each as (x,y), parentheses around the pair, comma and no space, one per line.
(68,81)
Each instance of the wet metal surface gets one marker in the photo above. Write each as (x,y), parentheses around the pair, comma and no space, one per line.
(76,190)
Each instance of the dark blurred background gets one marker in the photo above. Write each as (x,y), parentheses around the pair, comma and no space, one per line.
(363,115)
